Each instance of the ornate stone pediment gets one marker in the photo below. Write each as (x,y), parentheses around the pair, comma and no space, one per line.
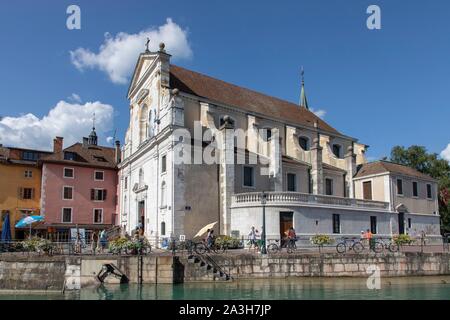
(137,188)
(141,96)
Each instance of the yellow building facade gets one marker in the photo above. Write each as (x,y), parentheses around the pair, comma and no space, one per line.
(20,186)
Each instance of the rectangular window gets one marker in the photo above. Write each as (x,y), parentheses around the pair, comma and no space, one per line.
(98,194)
(373,224)
(337,150)
(28,174)
(336,223)
(99,176)
(367,190)
(415,189)
(409,223)
(30,156)
(291,182)
(163,164)
(98,215)
(429,193)
(249,180)
(26,193)
(400,186)
(126,183)
(69,156)
(68,173)
(329,187)
(67,215)
(68,193)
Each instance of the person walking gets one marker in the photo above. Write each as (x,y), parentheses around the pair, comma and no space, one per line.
(103,240)
(94,241)
(369,237)
(252,238)
(292,237)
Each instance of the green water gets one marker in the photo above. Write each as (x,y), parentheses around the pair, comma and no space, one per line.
(291,288)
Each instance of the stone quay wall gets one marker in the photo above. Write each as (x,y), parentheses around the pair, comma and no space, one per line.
(32,272)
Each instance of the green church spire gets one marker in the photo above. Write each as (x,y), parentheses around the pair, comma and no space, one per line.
(303,100)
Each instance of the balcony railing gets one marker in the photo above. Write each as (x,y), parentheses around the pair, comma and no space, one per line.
(255,198)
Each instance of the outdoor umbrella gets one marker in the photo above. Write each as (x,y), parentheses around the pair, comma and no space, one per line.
(28,221)
(6,230)
(205,229)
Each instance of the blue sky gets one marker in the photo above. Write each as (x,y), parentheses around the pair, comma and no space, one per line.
(385,87)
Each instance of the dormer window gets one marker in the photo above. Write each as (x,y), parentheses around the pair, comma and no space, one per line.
(337,148)
(69,156)
(304,143)
(266,134)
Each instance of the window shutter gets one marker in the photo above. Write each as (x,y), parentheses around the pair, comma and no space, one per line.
(92,194)
(104,194)
(32,193)
(20,193)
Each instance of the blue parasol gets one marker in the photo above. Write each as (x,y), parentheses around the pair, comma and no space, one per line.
(6,230)
(28,221)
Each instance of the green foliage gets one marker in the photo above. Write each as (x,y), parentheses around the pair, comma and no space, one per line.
(123,245)
(321,240)
(37,244)
(402,239)
(417,157)
(227,241)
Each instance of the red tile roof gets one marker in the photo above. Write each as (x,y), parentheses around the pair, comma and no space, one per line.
(229,94)
(91,156)
(389,167)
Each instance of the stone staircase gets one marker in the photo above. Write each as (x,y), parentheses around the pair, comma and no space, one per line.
(207,269)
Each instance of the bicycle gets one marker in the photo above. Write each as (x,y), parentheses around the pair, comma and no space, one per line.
(289,245)
(391,246)
(202,248)
(348,244)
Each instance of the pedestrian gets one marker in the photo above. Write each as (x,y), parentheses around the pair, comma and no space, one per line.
(252,238)
(103,240)
(94,241)
(369,237)
(292,237)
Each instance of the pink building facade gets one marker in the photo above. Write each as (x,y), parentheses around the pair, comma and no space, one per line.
(79,188)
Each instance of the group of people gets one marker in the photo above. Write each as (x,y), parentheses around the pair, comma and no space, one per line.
(367,236)
(99,241)
(254,238)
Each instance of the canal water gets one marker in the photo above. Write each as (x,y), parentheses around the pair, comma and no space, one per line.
(289,288)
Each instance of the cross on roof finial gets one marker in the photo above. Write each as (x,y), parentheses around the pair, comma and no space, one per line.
(146,45)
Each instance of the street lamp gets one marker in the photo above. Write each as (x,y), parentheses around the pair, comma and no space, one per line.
(263,202)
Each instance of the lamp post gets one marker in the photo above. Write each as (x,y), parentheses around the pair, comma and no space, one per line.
(263,202)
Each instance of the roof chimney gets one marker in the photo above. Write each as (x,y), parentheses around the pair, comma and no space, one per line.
(58,144)
(117,152)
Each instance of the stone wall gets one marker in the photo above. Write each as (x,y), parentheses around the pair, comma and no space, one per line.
(248,266)
(31,273)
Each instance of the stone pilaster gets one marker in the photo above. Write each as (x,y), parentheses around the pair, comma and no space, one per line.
(316,167)
(227,172)
(276,161)
(350,163)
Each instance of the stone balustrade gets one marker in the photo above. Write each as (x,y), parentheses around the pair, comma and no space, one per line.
(292,198)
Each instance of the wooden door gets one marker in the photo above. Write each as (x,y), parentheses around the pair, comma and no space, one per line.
(286,222)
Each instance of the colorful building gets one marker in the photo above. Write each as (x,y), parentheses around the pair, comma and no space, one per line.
(20,185)
(79,185)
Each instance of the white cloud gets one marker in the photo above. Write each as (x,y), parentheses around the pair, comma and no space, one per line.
(446,153)
(320,113)
(69,120)
(74,98)
(109,140)
(117,55)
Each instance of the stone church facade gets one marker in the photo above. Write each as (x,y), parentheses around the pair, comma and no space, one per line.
(189,160)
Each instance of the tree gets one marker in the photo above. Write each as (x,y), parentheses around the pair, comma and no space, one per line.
(417,157)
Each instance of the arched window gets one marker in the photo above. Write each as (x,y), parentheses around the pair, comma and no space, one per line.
(163,194)
(163,228)
(304,143)
(143,123)
(141,177)
(337,150)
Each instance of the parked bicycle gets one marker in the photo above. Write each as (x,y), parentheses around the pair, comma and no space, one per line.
(202,248)
(275,247)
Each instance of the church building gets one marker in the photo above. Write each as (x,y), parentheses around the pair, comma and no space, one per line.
(200,150)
